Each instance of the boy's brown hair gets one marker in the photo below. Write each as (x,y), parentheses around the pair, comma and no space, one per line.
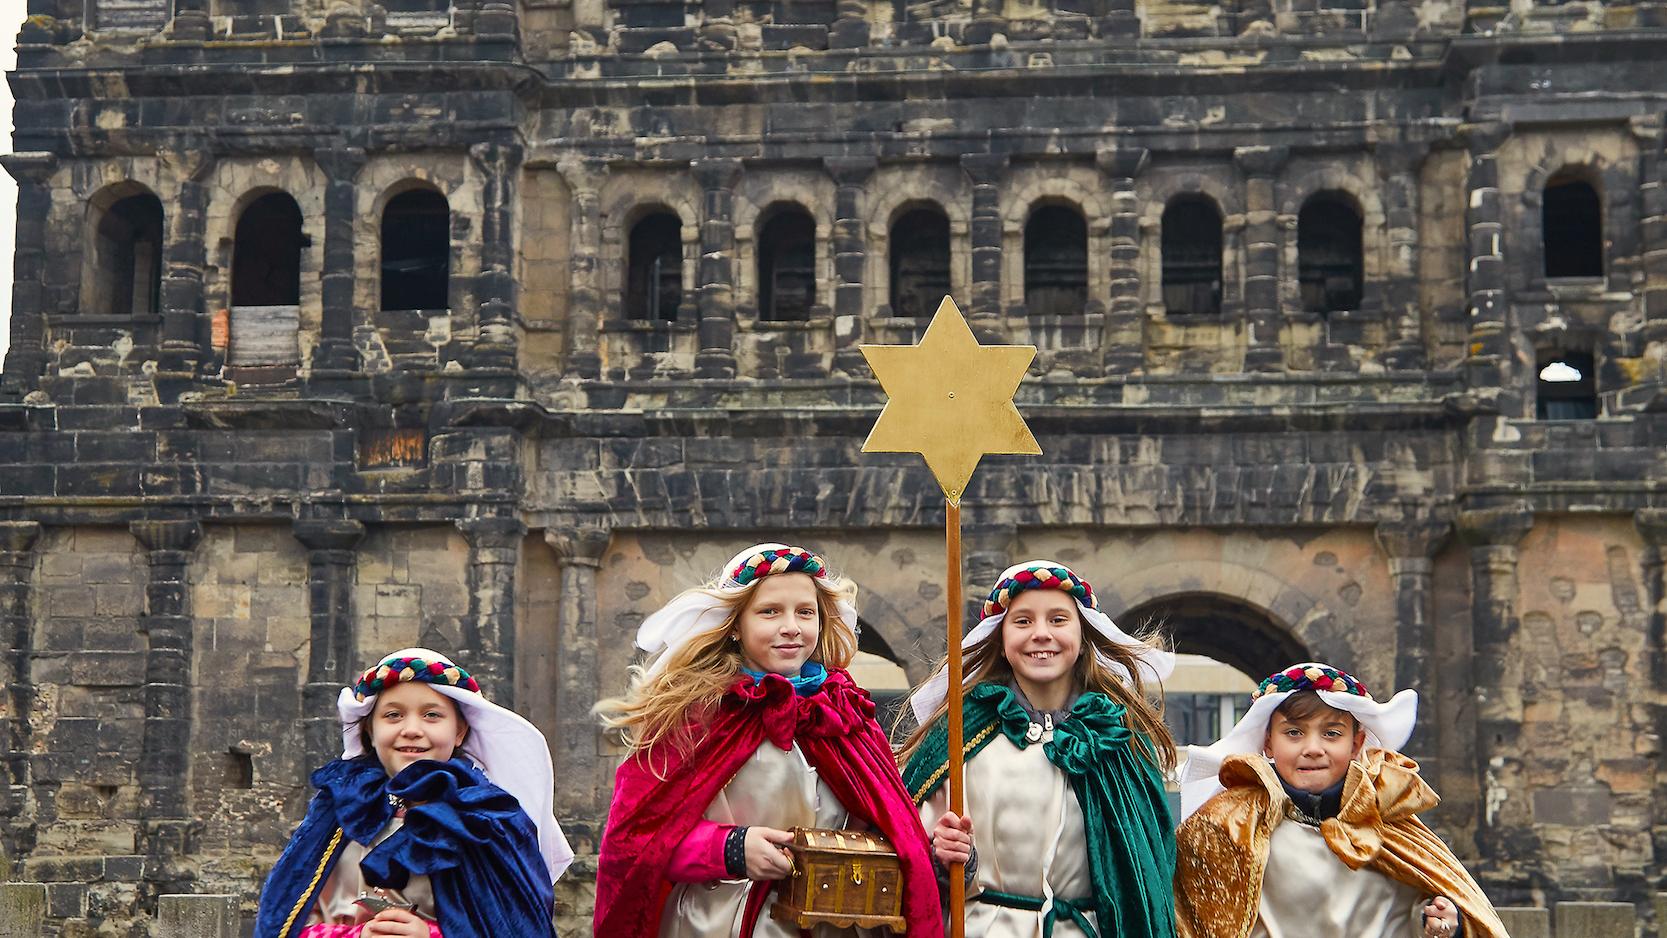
(1306,703)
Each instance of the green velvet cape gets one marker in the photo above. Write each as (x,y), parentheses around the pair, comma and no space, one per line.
(1125,810)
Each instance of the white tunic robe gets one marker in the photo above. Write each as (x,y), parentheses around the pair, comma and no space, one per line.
(1028,830)
(1308,891)
(773,789)
(346,883)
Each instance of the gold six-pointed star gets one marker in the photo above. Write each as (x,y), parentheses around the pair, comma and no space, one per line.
(950,399)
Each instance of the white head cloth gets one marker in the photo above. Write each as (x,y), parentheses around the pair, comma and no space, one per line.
(1388,726)
(511,751)
(695,611)
(1157,663)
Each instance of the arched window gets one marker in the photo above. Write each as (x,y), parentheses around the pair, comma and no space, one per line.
(416,251)
(787,265)
(919,244)
(1056,261)
(1571,222)
(1192,256)
(1566,388)
(266,283)
(266,256)
(126,259)
(1330,264)
(654,278)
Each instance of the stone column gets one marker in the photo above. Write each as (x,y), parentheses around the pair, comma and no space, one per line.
(850,252)
(986,550)
(585,299)
(332,647)
(489,630)
(26,356)
(499,317)
(1491,362)
(1411,546)
(1652,527)
(1652,190)
(985,171)
(341,167)
(850,27)
(1492,534)
(1124,342)
(1399,165)
(1263,248)
(17,574)
(579,765)
(165,752)
(716,276)
(185,340)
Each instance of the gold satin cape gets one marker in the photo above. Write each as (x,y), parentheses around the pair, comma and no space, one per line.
(1223,846)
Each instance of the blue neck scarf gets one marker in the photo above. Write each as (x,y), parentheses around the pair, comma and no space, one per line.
(808,681)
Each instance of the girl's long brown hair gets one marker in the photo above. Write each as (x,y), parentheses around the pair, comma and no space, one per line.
(673,703)
(1142,701)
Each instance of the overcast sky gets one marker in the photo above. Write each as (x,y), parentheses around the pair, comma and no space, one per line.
(11,17)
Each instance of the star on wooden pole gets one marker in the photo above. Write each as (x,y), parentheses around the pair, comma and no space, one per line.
(951,400)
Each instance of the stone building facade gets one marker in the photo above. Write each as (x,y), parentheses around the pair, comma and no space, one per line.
(339,327)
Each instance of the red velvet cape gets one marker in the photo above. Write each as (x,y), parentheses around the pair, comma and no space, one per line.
(834,728)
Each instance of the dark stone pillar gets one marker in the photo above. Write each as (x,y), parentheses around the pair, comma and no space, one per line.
(580,768)
(850,251)
(986,550)
(985,171)
(1399,165)
(1411,547)
(1504,828)
(17,574)
(716,297)
(1652,191)
(333,643)
(165,826)
(341,167)
(489,630)
(1264,247)
(1652,527)
(1124,342)
(185,334)
(191,21)
(1491,363)
(26,356)
(499,319)
(584,299)
(850,27)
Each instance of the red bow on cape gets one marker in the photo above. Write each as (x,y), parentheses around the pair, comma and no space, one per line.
(835,730)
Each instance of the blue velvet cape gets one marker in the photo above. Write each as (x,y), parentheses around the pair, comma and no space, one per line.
(467,835)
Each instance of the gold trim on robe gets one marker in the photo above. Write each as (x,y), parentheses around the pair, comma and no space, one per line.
(1223,847)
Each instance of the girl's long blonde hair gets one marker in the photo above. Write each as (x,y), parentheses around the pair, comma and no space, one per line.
(673,703)
(1143,702)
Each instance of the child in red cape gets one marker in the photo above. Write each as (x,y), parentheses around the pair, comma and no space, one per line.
(742,726)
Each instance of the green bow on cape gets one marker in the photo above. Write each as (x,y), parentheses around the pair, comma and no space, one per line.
(1125,811)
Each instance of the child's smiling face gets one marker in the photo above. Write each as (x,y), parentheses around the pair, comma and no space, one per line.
(411,722)
(780,625)
(1313,753)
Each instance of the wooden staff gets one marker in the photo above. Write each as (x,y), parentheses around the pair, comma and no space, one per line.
(951,400)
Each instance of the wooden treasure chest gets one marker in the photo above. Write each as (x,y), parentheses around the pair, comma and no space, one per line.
(841,878)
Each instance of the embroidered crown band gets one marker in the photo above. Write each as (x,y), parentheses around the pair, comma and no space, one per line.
(1039,576)
(1311,677)
(778,560)
(394,670)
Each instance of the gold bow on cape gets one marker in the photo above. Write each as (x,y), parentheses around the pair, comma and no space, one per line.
(1224,845)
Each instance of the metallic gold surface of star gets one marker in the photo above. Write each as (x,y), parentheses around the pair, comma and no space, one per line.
(950,399)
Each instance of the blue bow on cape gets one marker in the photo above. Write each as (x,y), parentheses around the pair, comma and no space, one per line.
(467,835)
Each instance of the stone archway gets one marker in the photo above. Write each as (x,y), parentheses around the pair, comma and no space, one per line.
(1229,630)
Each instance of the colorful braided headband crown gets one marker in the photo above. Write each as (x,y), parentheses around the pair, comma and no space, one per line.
(1301,677)
(1039,576)
(394,670)
(778,560)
